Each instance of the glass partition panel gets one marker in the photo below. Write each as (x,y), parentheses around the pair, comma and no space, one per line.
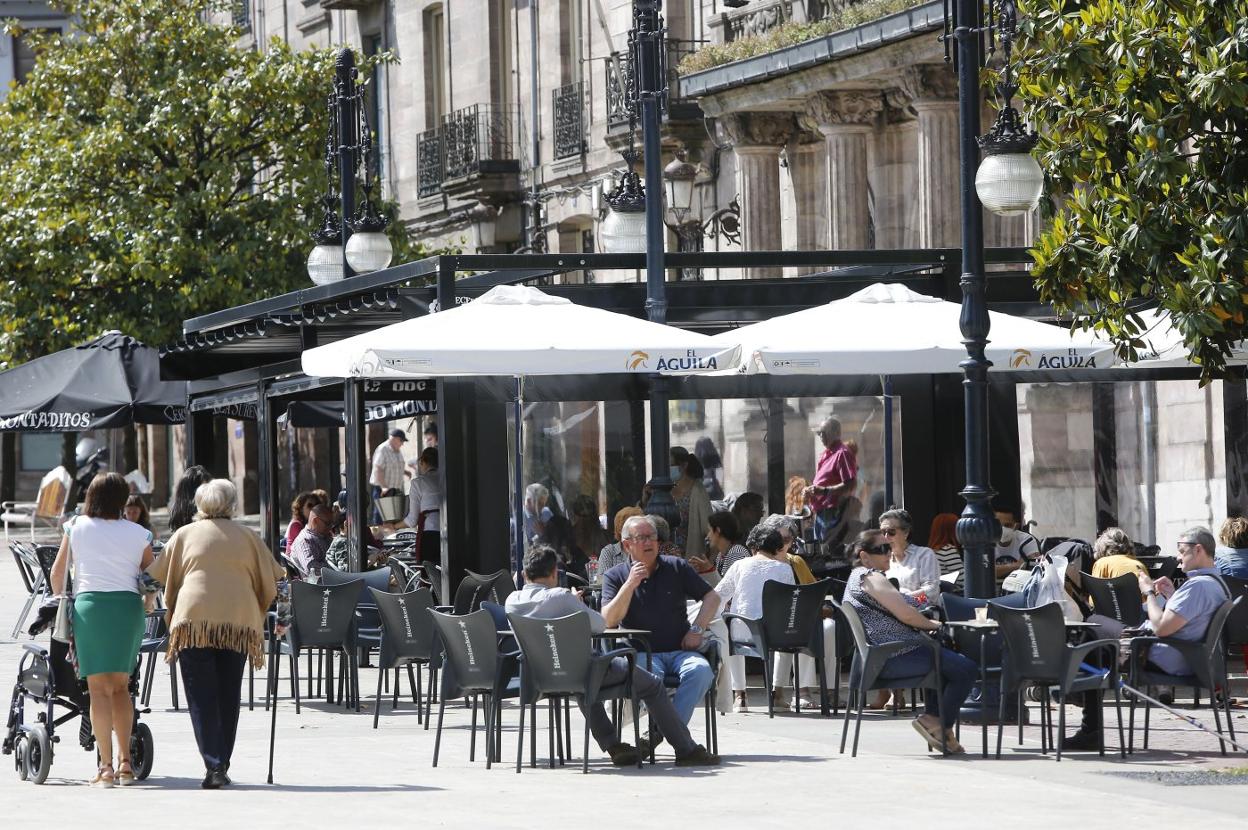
(1056,467)
(732,438)
(1171,458)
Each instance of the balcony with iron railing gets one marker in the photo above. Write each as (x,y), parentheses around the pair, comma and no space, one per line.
(429,168)
(621,92)
(470,153)
(568,105)
(240,14)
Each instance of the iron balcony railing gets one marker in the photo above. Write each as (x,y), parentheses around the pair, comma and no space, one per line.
(430,171)
(621,92)
(241,14)
(475,135)
(466,143)
(569,109)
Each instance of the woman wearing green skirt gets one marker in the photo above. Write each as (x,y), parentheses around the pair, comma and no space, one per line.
(107,554)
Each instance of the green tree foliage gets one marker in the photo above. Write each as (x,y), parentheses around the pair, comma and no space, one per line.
(1140,105)
(153,171)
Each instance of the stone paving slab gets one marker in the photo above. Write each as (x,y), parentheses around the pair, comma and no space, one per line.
(333,769)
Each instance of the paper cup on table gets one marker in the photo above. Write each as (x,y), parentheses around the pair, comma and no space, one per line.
(981,614)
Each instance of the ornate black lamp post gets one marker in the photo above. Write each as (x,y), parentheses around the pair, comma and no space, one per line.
(1008,182)
(647,95)
(348,242)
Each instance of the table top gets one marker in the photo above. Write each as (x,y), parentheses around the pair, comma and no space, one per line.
(993,624)
(610,632)
(625,632)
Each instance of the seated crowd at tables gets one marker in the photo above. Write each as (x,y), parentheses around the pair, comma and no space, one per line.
(719,560)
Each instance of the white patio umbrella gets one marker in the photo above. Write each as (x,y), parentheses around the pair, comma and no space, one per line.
(890,330)
(887,329)
(520,331)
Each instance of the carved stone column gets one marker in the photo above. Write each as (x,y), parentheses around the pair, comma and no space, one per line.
(933,93)
(757,139)
(895,210)
(808,170)
(847,120)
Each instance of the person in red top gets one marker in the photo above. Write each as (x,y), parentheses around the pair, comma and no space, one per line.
(835,475)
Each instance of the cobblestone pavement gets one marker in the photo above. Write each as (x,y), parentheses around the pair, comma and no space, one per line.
(333,768)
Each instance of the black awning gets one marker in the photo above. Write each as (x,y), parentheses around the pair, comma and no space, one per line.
(107,382)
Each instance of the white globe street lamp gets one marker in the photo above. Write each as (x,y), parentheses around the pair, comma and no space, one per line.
(624,228)
(1009,180)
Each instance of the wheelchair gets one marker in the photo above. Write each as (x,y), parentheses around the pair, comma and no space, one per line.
(47,682)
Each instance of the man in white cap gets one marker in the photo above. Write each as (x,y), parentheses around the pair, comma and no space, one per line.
(388,474)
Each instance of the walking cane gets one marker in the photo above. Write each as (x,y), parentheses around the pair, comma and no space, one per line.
(1180,715)
(274,667)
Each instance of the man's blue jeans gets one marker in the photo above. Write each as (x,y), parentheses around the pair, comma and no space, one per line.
(694,672)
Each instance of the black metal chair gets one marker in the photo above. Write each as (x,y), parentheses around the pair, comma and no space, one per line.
(474,667)
(984,647)
(293,571)
(323,617)
(1237,622)
(1036,652)
(792,623)
(1207,660)
(406,641)
(1159,566)
(406,577)
(367,620)
(155,642)
(869,661)
(475,588)
(558,664)
(432,579)
(1117,598)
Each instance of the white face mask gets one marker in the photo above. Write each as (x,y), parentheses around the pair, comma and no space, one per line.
(1008,535)
(674,473)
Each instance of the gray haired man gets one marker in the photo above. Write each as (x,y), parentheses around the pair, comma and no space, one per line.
(542,598)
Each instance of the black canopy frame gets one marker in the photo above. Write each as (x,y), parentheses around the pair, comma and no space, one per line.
(258,344)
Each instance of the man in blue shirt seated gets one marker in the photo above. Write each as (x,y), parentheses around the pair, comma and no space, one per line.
(1182,613)
(649,592)
(541,597)
(1185,612)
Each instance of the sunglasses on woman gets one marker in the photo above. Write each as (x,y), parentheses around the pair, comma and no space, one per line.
(878,550)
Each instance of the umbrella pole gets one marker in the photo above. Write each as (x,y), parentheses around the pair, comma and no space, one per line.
(518,539)
(886,381)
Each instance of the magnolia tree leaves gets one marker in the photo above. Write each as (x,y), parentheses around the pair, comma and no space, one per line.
(155,170)
(1140,105)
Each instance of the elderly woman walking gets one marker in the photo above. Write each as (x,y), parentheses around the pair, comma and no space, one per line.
(219,581)
(107,555)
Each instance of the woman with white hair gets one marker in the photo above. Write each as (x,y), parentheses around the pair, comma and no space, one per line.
(219,580)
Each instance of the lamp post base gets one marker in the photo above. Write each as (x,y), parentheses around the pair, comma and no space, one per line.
(983,706)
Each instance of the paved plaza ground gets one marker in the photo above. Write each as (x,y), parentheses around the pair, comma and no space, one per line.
(334,770)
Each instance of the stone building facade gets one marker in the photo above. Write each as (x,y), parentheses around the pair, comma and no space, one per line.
(500,127)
